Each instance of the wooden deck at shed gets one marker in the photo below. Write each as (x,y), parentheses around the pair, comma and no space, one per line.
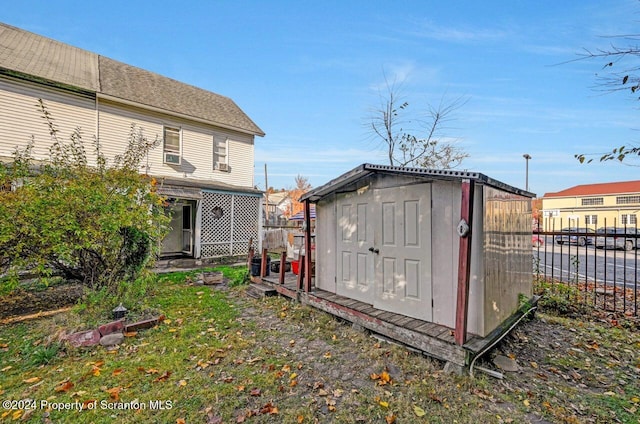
(432,339)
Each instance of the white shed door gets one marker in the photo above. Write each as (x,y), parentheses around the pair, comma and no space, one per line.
(355,266)
(403,264)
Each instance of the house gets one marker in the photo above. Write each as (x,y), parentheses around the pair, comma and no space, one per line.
(592,206)
(204,164)
(438,260)
(275,205)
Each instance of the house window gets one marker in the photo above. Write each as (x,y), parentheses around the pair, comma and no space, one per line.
(172,146)
(221,154)
(629,219)
(591,219)
(625,200)
(593,201)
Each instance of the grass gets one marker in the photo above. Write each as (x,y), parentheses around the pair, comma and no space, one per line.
(221,356)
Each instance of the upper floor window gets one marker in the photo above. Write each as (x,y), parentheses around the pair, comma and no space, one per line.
(625,200)
(221,154)
(172,146)
(593,201)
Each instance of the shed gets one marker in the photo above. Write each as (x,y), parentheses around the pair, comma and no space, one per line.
(446,247)
(438,260)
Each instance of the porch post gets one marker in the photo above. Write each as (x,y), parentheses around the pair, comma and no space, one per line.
(465,230)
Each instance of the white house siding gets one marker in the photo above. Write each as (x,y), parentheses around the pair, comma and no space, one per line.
(20,117)
(197,144)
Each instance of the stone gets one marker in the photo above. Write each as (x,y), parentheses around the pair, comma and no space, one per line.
(506,364)
(112,327)
(141,325)
(213,277)
(112,339)
(84,338)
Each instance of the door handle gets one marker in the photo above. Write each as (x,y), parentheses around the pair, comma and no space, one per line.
(374,250)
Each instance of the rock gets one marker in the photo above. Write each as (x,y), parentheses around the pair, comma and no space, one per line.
(112,339)
(141,325)
(213,277)
(112,327)
(84,338)
(506,364)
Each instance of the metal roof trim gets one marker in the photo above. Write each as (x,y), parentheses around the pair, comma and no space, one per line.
(367,169)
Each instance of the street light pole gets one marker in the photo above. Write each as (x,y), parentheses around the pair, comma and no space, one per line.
(526,157)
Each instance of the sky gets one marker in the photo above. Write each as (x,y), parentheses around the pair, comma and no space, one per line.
(311,75)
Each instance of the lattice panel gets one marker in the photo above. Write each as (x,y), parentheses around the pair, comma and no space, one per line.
(217,217)
(228,222)
(246,217)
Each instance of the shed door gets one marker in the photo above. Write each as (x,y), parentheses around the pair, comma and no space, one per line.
(403,264)
(355,266)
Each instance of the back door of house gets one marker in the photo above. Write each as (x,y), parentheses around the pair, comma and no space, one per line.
(355,263)
(403,250)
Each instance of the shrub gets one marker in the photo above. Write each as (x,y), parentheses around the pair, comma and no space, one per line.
(97,224)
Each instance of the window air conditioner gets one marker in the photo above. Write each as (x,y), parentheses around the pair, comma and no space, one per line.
(172,158)
(223,166)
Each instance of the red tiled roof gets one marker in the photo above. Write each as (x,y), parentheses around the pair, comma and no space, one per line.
(595,189)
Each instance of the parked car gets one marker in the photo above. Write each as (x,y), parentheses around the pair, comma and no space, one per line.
(581,237)
(617,238)
(537,241)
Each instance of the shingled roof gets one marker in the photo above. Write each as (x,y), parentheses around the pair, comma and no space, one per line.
(621,187)
(33,57)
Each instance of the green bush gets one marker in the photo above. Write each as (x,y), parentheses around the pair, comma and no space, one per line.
(98,224)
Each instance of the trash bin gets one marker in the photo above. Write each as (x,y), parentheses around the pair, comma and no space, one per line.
(275,266)
(256,264)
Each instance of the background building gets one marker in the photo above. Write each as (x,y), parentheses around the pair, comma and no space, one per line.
(592,206)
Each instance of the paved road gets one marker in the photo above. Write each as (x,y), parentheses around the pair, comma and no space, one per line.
(578,263)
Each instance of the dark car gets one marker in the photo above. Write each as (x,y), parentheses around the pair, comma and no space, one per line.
(617,238)
(576,235)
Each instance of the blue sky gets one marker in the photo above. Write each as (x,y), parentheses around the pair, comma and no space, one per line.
(309,74)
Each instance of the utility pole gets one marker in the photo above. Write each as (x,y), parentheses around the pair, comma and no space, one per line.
(266,194)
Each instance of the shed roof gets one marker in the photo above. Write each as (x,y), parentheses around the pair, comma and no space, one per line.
(622,187)
(37,58)
(367,169)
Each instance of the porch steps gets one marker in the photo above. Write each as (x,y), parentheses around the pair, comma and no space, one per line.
(258,290)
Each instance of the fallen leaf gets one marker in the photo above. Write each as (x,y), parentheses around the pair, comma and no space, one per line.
(7,368)
(65,386)
(526,403)
(300,419)
(323,392)
(130,333)
(418,411)
(292,376)
(182,383)
(117,371)
(255,392)
(164,376)
(114,393)
(180,421)
(383,404)
(390,419)
(17,414)
(31,380)
(327,355)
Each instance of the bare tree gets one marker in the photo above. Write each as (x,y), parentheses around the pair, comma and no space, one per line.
(416,142)
(621,63)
